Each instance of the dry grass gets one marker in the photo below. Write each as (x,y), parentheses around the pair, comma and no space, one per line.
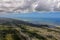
(33,33)
(47,33)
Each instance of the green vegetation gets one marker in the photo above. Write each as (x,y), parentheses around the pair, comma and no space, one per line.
(22,31)
(40,33)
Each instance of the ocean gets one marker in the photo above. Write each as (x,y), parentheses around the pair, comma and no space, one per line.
(52,18)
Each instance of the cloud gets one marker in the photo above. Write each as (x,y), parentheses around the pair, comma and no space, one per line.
(24,6)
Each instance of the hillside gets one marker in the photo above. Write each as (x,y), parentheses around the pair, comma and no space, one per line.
(13,29)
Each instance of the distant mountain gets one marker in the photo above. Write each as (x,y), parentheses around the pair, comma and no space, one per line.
(14,29)
(16,22)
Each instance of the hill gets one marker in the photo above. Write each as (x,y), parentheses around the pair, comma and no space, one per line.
(13,29)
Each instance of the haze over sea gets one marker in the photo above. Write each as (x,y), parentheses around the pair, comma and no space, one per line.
(52,18)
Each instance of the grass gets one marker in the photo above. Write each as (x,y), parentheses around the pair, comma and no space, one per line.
(9,37)
(28,32)
(41,33)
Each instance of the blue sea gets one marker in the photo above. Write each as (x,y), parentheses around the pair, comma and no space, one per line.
(52,18)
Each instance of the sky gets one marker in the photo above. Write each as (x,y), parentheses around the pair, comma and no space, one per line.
(26,6)
(33,15)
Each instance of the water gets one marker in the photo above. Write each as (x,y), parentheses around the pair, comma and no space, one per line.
(51,21)
(52,18)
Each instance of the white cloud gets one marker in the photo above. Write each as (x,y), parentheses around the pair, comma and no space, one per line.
(23,6)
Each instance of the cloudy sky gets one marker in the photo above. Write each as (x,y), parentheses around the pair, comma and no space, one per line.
(24,6)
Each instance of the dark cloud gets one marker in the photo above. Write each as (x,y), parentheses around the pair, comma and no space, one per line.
(29,6)
(42,7)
